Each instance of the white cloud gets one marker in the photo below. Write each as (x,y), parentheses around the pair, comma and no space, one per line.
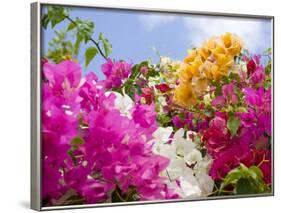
(255,33)
(152,21)
(251,31)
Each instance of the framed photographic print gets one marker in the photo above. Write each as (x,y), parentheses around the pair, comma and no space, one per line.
(138,105)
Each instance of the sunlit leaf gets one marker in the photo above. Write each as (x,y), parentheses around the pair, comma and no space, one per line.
(106,44)
(233,124)
(90,53)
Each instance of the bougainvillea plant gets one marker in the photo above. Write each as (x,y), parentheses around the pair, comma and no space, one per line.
(200,127)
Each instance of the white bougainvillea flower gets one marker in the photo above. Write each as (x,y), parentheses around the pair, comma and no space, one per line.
(183,146)
(184,182)
(188,170)
(193,157)
(123,103)
(162,135)
(185,189)
(189,186)
(206,183)
(176,169)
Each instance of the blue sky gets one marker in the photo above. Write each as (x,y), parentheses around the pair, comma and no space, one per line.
(134,34)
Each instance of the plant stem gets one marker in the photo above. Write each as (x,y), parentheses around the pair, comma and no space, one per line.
(91,39)
(120,197)
(168,175)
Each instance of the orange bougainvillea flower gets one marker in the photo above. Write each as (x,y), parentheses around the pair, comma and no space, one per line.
(212,61)
(185,95)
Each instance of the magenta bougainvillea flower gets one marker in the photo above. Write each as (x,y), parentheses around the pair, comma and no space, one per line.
(228,92)
(217,136)
(249,146)
(115,72)
(112,151)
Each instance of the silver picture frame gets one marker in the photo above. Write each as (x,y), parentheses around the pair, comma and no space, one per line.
(36,39)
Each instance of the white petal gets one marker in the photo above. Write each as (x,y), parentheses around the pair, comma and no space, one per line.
(184,146)
(166,150)
(162,134)
(206,183)
(193,157)
(189,187)
(179,134)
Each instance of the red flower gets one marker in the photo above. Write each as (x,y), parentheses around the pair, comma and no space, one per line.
(251,67)
(216,137)
(162,87)
(148,95)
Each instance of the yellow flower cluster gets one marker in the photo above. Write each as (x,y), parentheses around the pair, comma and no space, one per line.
(212,61)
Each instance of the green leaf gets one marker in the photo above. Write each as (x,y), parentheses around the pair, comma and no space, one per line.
(85,29)
(232,177)
(77,45)
(106,45)
(163,119)
(71,26)
(255,172)
(266,85)
(240,109)
(268,68)
(233,124)
(130,87)
(268,50)
(59,48)
(57,14)
(244,186)
(45,21)
(245,180)
(234,76)
(77,141)
(218,90)
(90,53)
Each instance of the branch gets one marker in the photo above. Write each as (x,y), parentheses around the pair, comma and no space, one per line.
(91,39)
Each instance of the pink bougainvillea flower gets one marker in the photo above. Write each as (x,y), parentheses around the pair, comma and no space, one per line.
(255,97)
(217,136)
(257,58)
(66,74)
(228,92)
(117,148)
(258,76)
(144,70)
(59,120)
(145,116)
(113,150)
(218,101)
(96,191)
(249,146)
(230,159)
(115,73)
